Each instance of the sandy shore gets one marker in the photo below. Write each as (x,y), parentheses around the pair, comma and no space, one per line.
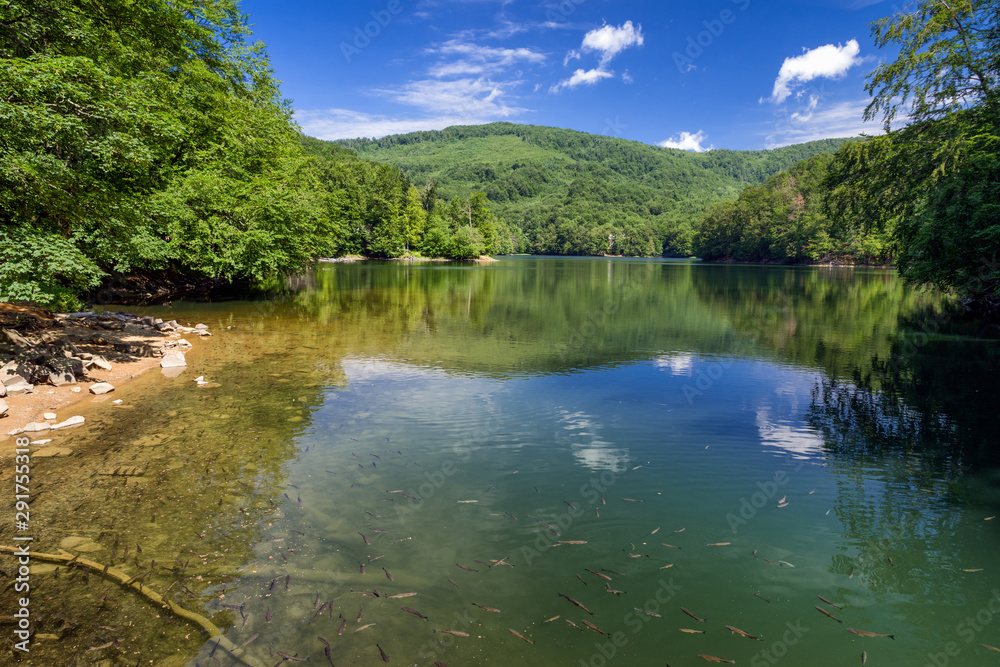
(31,407)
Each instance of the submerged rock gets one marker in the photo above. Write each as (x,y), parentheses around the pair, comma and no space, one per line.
(72,421)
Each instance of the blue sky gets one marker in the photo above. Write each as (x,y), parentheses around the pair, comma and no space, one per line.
(740,74)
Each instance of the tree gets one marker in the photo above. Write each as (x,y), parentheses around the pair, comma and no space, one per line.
(933,185)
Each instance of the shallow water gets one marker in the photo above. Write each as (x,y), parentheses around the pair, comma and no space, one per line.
(736,441)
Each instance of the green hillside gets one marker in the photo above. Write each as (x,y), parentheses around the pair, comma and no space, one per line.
(570,192)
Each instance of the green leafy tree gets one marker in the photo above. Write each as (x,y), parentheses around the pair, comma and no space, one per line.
(933,184)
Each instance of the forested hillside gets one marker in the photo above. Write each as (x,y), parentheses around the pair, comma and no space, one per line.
(582,194)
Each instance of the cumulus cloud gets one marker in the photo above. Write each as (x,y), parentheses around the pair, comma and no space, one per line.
(581,77)
(611,40)
(827,61)
(687,142)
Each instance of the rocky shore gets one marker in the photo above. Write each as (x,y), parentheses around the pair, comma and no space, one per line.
(50,362)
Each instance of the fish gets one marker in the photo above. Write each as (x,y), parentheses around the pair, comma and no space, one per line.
(615,591)
(595,628)
(571,505)
(554,618)
(291,658)
(762,597)
(248,640)
(669,546)
(454,633)
(452,582)
(554,531)
(864,658)
(574,625)
(712,658)
(267,616)
(502,561)
(361,610)
(362,566)
(288,578)
(343,625)
(648,613)
(273,582)
(828,602)
(602,576)
(692,632)
(401,595)
(375,558)
(406,495)
(387,575)
(519,635)
(718,544)
(492,486)
(375,530)
(364,627)
(318,612)
(865,633)
(466,568)
(826,613)
(484,608)
(697,618)
(364,537)
(466,502)
(603,501)
(987,646)
(385,658)
(576,603)
(622,574)
(632,555)
(597,512)
(581,580)
(741,633)
(633,500)
(414,612)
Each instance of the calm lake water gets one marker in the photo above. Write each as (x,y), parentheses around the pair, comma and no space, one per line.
(642,437)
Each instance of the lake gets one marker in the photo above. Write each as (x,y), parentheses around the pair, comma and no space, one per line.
(573,461)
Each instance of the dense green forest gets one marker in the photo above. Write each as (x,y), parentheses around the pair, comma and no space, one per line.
(573,193)
(151,139)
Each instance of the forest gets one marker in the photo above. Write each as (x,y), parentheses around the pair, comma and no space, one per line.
(152,140)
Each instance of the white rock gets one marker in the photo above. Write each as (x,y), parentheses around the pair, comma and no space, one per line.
(3,407)
(203,334)
(39,443)
(102,388)
(72,421)
(173,360)
(3,390)
(101,362)
(61,378)
(20,388)
(200,326)
(200,378)
(50,416)
(117,401)
(184,345)
(76,390)
(35,427)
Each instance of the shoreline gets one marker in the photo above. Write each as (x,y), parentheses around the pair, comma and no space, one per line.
(111,358)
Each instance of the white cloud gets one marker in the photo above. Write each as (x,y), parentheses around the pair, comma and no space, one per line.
(609,40)
(627,78)
(571,56)
(580,77)
(825,61)
(842,119)
(331,124)
(687,142)
(468,97)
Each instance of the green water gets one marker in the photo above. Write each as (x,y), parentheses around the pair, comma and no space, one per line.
(790,433)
